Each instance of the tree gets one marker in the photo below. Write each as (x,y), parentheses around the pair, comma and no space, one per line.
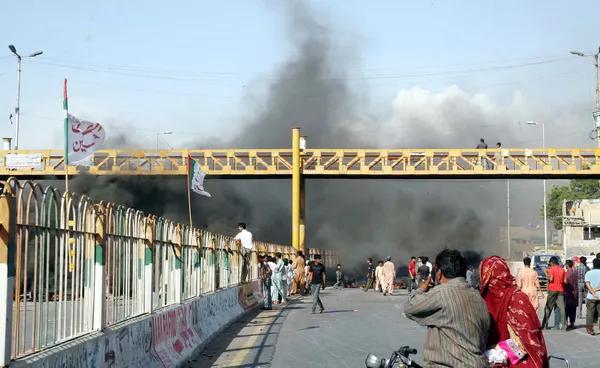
(577,189)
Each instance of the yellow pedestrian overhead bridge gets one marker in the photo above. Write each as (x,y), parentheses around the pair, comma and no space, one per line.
(514,163)
(299,163)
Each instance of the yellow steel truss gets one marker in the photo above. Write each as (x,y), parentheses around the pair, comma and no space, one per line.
(349,163)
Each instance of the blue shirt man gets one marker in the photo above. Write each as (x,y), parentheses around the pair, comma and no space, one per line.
(592,278)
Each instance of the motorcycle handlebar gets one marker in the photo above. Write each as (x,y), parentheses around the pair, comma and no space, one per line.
(406,351)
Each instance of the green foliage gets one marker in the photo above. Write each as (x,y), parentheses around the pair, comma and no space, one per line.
(577,189)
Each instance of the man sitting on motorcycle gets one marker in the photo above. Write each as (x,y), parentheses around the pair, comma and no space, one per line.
(456,316)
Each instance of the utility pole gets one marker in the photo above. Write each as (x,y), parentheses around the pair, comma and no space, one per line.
(545,197)
(595,114)
(13,49)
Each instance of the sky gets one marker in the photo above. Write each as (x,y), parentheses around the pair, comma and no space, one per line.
(142,68)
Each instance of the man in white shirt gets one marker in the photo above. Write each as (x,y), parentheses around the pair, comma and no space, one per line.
(244,237)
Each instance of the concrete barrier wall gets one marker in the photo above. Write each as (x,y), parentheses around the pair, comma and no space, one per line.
(166,338)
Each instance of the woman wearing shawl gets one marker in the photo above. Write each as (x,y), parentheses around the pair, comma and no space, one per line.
(515,326)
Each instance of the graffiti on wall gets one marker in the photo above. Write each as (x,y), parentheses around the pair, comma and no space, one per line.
(167,339)
(257,289)
(215,310)
(174,337)
(246,296)
(126,347)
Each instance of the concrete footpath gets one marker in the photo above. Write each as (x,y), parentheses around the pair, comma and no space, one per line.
(353,324)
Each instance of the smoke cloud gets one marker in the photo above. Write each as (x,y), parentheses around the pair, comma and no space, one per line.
(363,218)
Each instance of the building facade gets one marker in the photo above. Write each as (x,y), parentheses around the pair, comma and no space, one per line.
(581,227)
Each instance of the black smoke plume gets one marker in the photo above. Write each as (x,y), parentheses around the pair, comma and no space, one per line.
(316,89)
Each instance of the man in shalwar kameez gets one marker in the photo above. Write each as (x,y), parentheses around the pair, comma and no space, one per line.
(389,276)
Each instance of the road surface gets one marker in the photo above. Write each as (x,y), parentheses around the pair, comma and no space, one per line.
(353,324)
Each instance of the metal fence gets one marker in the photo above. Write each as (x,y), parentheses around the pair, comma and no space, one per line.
(78,266)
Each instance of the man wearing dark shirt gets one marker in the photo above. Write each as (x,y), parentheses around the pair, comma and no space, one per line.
(424,271)
(316,279)
(484,161)
(370,274)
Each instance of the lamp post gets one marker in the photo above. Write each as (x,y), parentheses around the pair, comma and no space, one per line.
(595,114)
(13,49)
(545,209)
(159,134)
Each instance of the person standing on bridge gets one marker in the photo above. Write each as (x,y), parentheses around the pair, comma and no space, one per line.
(456,316)
(316,279)
(389,276)
(299,275)
(483,159)
(245,239)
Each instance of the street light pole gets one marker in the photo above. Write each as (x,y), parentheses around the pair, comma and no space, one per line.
(13,49)
(18,106)
(596,113)
(545,199)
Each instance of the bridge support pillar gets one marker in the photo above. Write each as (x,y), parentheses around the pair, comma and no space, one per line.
(296,188)
(302,229)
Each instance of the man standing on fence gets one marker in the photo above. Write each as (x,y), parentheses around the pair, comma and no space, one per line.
(245,239)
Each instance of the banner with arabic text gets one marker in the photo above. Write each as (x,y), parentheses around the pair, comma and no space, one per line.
(84,138)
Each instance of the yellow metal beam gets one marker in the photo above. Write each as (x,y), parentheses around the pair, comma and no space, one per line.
(349,163)
(296,163)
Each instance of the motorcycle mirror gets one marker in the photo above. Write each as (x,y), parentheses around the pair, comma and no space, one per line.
(374,362)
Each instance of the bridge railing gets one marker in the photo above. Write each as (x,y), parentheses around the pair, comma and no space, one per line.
(316,162)
(77,266)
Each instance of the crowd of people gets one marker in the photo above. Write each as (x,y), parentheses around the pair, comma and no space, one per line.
(470,328)
(496,322)
(469,325)
(569,288)
(382,277)
(283,279)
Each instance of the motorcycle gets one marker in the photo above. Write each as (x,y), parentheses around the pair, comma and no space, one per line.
(402,358)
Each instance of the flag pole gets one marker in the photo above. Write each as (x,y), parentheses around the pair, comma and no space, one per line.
(189,191)
(66,130)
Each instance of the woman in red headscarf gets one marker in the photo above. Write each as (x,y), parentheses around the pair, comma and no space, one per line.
(515,325)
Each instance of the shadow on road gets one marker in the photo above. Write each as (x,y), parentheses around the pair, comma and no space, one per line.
(261,344)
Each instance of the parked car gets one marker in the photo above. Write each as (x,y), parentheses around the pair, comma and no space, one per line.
(539,261)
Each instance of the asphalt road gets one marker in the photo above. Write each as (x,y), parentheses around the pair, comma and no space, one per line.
(354,323)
